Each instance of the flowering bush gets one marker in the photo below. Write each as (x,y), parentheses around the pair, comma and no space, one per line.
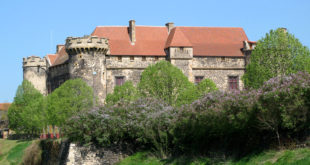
(145,122)
(230,121)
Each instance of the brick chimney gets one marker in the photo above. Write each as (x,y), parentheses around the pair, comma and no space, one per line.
(132,31)
(59,47)
(169,25)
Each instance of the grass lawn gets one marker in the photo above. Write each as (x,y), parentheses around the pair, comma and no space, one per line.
(283,157)
(11,151)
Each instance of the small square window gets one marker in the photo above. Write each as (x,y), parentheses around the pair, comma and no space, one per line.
(119,58)
(198,79)
(223,59)
(156,58)
(119,80)
(132,58)
(143,58)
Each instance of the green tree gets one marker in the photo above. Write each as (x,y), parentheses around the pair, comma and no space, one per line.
(125,93)
(278,53)
(71,97)
(205,86)
(26,114)
(167,82)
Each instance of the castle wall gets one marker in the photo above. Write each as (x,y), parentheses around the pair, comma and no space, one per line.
(181,57)
(34,70)
(90,67)
(219,69)
(57,75)
(128,68)
(87,61)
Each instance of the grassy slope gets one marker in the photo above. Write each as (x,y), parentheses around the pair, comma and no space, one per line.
(292,157)
(11,151)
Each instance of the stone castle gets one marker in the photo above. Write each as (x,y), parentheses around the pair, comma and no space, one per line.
(112,55)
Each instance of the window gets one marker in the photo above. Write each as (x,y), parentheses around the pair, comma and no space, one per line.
(156,58)
(119,80)
(233,83)
(143,58)
(223,59)
(198,79)
(132,58)
(119,58)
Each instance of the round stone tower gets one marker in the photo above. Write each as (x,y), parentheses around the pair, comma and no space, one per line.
(87,61)
(34,70)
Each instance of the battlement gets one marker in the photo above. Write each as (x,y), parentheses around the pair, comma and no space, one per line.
(34,61)
(84,44)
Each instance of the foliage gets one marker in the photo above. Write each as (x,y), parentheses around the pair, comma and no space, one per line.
(297,156)
(145,122)
(124,93)
(245,120)
(284,104)
(32,154)
(167,82)
(278,53)
(26,113)
(11,151)
(71,97)
(205,86)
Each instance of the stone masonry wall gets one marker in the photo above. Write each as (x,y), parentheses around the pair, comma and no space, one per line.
(218,69)
(127,67)
(34,70)
(90,155)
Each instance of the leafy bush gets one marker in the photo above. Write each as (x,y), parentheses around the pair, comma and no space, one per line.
(278,53)
(167,82)
(124,93)
(26,114)
(247,119)
(145,122)
(71,97)
(230,122)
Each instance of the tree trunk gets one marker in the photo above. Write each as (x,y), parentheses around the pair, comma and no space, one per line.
(278,138)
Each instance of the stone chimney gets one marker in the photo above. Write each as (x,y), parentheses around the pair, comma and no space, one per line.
(283,29)
(169,25)
(132,31)
(59,47)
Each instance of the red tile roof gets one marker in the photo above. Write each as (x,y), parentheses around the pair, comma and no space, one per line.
(206,41)
(4,106)
(60,57)
(210,41)
(52,58)
(177,38)
(150,41)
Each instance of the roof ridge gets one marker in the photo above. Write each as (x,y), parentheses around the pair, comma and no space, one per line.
(210,27)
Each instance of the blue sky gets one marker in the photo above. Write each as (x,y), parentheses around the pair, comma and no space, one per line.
(35,27)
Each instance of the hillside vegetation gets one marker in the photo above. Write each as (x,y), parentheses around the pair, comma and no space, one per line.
(12,151)
(282,157)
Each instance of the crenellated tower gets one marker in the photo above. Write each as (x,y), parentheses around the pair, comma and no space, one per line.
(87,61)
(34,70)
